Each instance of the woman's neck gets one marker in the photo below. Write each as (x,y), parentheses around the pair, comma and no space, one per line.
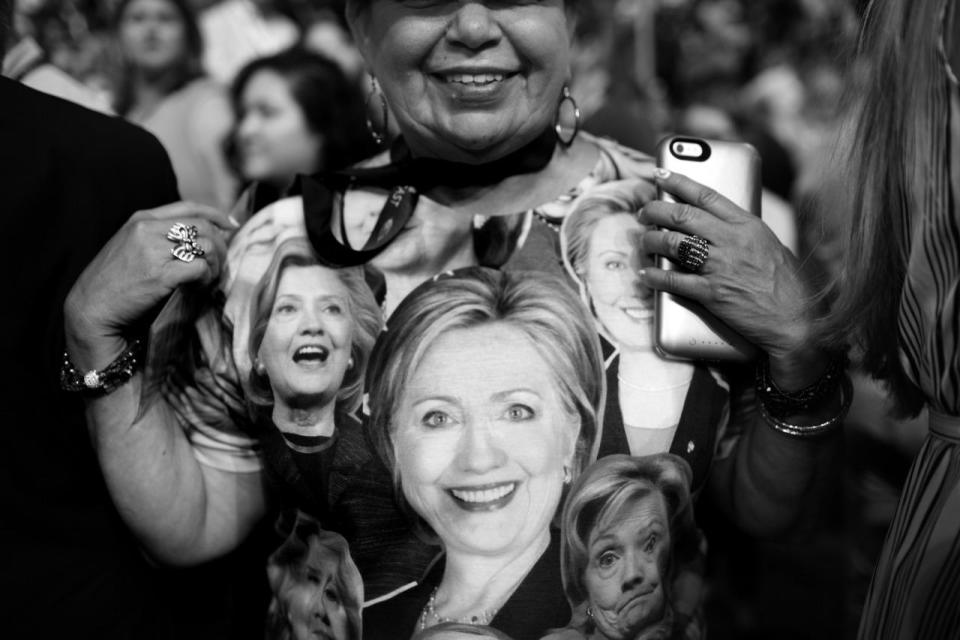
(525,191)
(314,420)
(473,584)
(644,368)
(149,90)
(401,283)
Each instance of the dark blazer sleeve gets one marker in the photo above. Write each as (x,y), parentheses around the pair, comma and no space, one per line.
(72,177)
(69,178)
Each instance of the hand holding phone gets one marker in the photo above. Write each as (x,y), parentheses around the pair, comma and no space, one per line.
(685,329)
(750,283)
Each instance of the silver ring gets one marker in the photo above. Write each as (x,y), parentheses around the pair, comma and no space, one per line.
(693,253)
(182,233)
(187,251)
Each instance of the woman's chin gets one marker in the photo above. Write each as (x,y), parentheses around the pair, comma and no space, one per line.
(477,138)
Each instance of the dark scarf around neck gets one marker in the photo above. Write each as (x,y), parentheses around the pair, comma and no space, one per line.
(404,178)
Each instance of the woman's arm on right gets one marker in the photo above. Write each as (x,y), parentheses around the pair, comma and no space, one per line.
(183,512)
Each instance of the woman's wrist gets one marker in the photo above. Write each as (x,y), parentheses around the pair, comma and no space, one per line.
(804,394)
(819,419)
(92,348)
(102,380)
(797,368)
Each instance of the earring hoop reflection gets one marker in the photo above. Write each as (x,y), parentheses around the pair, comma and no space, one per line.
(378,133)
(567,99)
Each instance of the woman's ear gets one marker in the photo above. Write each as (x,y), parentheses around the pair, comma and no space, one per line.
(572,19)
(358,20)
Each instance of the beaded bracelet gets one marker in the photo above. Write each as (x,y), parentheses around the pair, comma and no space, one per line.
(813,430)
(102,382)
(781,404)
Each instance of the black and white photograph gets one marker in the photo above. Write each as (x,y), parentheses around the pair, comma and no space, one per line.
(510,319)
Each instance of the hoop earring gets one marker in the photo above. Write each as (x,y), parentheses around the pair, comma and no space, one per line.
(379,135)
(567,98)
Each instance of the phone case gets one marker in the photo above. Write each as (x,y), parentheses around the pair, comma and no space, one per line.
(684,328)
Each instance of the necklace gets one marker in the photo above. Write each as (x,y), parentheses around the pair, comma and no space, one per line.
(429,615)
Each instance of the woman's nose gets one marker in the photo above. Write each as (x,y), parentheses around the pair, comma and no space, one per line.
(634,572)
(643,261)
(644,292)
(247,127)
(474,25)
(631,281)
(479,452)
(311,322)
(318,607)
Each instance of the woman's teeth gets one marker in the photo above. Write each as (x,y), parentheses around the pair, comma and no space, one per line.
(483,495)
(311,352)
(481,78)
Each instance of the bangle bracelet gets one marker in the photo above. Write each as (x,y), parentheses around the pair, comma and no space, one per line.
(780,404)
(106,380)
(813,430)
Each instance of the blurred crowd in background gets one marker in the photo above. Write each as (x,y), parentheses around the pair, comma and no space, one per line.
(772,72)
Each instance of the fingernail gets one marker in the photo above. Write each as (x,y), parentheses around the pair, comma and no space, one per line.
(661,174)
(233,221)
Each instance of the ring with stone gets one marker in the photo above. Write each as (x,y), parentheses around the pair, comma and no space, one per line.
(693,253)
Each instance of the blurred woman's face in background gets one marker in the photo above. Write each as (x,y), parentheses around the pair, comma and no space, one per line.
(274,140)
(152,35)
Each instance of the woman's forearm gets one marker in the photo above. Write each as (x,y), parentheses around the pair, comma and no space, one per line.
(182,511)
(766,483)
(768,480)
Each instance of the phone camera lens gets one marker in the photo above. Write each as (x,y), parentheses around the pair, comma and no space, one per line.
(679,148)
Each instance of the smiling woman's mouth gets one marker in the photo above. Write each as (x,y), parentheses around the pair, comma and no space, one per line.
(311,353)
(474,79)
(485,498)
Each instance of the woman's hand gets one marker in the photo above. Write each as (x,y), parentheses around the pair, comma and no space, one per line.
(749,280)
(133,273)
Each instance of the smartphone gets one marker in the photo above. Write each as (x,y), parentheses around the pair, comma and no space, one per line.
(684,329)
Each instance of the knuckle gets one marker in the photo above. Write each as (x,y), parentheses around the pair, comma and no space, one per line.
(140,228)
(720,291)
(715,292)
(671,280)
(707,197)
(683,215)
(673,243)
